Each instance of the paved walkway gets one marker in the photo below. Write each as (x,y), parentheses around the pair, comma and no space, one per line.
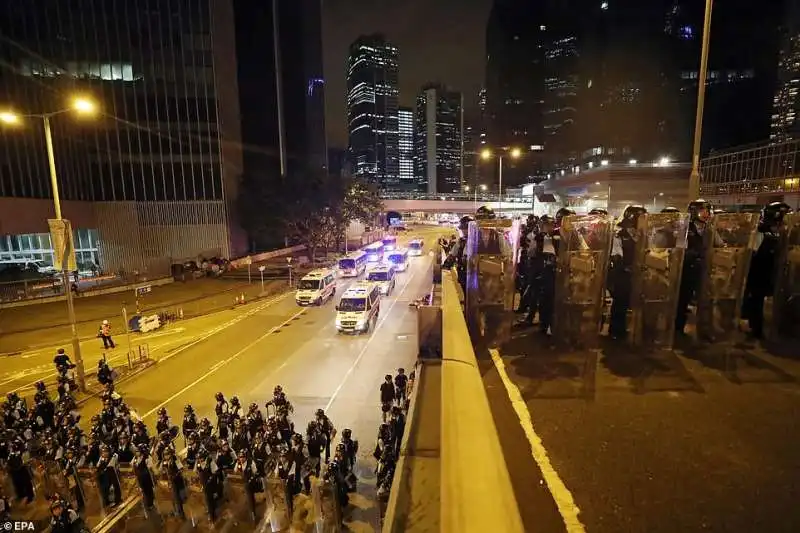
(46,324)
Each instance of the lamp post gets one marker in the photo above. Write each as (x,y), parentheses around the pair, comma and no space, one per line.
(85,107)
(694,176)
(475,194)
(514,153)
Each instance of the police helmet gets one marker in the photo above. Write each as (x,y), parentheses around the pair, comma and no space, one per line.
(598,211)
(631,215)
(463,224)
(485,213)
(347,433)
(698,206)
(773,213)
(670,210)
(563,212)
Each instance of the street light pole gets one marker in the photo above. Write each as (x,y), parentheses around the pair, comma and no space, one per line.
(702,76)
(500,185)
(76,343)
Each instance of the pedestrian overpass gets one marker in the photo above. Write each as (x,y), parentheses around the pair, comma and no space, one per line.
(431,203)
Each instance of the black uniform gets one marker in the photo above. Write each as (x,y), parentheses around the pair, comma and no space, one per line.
(692,272)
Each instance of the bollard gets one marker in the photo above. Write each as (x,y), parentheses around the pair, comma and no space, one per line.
(130,361)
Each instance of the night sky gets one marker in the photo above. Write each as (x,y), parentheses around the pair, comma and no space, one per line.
(438,40)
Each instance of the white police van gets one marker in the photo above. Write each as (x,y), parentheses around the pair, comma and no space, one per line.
(358,309)
(316,287)
(383,277)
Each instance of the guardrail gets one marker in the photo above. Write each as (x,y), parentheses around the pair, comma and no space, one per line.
(451,475)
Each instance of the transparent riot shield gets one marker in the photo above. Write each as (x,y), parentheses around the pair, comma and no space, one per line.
(491,254)
(328,511)
(277,515)
(657,268)
(583,255)
(786,301)
(94,510)
(729,239)
(239,503)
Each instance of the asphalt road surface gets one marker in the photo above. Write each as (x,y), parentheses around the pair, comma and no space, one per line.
(608,443)
(298,348)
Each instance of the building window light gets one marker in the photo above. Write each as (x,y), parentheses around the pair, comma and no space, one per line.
(604,6)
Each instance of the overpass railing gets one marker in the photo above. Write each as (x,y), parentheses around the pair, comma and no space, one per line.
(456,197)
(451,475)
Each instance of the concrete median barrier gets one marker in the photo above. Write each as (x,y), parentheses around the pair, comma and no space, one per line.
(451,475)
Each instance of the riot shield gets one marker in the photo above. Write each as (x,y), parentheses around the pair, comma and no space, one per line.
(786,301)
(491,254)
(728,239)
(94,511)
(583,255)
(328,512)
(656,279)
(277,516)
(239,505)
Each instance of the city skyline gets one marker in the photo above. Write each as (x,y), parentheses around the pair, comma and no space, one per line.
(453,54)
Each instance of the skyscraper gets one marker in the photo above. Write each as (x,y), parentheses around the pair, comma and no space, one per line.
(785,122)
(406,143)
(285,115)
(439,139)
(152,179)
(372,111)
(515,83)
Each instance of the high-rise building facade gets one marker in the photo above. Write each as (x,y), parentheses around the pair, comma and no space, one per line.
(283,118)
(406,143)
(742,68)
(785,119)
(153,177)
(515,84)
(439,148)
(372,111)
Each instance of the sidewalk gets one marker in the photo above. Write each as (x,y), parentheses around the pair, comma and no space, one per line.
(45,325)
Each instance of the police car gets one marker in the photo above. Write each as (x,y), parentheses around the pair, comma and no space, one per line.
(383,277)
(358,309)
(316,287)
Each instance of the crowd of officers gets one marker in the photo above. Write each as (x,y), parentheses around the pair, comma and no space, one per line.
(242,442)
(539,244)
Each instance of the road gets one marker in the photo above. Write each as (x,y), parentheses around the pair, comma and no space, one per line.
(674,445)
(299,349)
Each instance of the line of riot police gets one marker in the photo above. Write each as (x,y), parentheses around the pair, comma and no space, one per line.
(655,265)
(394,395)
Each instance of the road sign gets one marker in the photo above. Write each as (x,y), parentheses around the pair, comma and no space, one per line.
(143,290)
(262,268)
(63,245)
(248,260)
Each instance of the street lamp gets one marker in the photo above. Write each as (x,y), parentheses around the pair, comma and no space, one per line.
(702,77)
(514,153)
(83,106)
(482,187)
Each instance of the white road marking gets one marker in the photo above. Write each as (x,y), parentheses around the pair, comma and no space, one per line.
(182,349)
(567,507)
(223,363)
(366,345)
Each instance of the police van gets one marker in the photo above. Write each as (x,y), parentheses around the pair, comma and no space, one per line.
(358,309)
(316,287)
(415,247)
(383,277)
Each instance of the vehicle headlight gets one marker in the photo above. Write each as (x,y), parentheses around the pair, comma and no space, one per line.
(360,322)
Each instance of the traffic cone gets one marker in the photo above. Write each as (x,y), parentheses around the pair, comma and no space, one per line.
(242,299)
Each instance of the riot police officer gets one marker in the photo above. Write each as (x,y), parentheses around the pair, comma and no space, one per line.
(542,265)
(761,277)
(108,477)
(620,272)
(457,256)
(700,212)
(142,469)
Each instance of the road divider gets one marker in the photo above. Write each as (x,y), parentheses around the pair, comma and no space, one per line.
(451,476)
